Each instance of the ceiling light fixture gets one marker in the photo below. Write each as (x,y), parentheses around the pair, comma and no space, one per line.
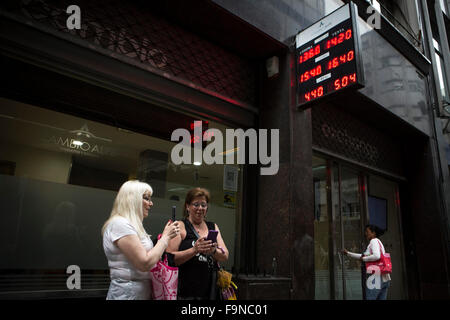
(77,143)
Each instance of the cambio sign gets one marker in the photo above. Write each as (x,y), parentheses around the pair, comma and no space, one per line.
(214,153)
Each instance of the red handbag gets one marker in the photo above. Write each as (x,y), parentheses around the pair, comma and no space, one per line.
(384,263)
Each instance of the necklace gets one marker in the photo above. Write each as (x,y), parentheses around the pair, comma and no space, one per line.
(197,227)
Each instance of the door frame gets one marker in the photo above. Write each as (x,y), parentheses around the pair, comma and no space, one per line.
(363,173)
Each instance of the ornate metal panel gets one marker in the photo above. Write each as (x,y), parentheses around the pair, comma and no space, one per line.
(340,133)
(131,29)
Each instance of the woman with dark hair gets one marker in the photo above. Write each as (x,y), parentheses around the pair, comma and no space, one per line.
(373,253)
(196,256)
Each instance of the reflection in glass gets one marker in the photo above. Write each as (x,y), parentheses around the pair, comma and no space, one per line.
(321,230)
(55,194)
(351,222)
(338,258)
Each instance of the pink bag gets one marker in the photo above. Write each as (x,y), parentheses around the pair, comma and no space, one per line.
(384,263)
(164,281)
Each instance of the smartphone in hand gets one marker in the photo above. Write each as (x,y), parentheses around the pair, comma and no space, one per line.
(174,208)
(212,235)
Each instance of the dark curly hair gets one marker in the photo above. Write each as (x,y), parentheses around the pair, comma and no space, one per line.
(377,230)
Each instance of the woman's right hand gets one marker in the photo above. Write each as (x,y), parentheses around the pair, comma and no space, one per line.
(171,230)
(344,251)
(202,245)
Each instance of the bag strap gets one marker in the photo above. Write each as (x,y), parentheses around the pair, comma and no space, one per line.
(189,224)
(379,243)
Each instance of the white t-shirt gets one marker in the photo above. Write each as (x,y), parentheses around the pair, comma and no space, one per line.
(120,267)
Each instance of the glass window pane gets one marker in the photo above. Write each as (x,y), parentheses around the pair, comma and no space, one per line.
(443,6)
(58,180)
(321,230)
(351,221)
(338,257)
(439,66)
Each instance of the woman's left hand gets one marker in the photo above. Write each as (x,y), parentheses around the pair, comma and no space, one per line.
(213,249)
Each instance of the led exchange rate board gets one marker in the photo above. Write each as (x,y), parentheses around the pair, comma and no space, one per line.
(328,57)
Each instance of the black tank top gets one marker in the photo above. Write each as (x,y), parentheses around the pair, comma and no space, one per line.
(194,277)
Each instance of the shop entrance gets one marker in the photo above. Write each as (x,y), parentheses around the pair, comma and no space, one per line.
(345,200)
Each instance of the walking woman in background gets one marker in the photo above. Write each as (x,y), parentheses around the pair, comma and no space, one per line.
(196,256)
(128,247)
(373,253)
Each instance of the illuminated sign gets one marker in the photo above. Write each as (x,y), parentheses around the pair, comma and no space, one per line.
(328,56)
(204,137)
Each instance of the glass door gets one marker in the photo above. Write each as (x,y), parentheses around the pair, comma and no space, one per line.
(351,236)
(337,225)
(322,261)
(345,201)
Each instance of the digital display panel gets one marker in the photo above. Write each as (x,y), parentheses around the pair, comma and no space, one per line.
(327,56)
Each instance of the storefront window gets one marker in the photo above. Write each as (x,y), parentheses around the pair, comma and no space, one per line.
(321,230)
(443,6)
(58,180)
(440,68)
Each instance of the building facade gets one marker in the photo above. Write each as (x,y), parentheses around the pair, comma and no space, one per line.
(85,108)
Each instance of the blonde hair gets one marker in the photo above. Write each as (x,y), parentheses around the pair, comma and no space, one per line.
(128,204)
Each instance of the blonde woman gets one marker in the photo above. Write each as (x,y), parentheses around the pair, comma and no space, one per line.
(128,248)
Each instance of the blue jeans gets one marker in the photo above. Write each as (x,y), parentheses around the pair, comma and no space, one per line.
(378,294)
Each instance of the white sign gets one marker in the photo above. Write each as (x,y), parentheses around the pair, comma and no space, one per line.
(230,178)
(323,25)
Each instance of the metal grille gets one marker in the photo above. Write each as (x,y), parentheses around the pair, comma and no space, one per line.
(342,134)
(131,29)
(48,282)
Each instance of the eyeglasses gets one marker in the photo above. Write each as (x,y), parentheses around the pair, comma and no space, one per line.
(203,205)
(147,198)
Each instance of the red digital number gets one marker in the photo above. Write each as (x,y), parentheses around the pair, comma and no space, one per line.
(311,74)
(314,94)
(335,62)
(348,34)
(309,54)
(341,37)
(317,50)
(344,81)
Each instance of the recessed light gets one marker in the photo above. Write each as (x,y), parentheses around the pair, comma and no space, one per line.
(77,143)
